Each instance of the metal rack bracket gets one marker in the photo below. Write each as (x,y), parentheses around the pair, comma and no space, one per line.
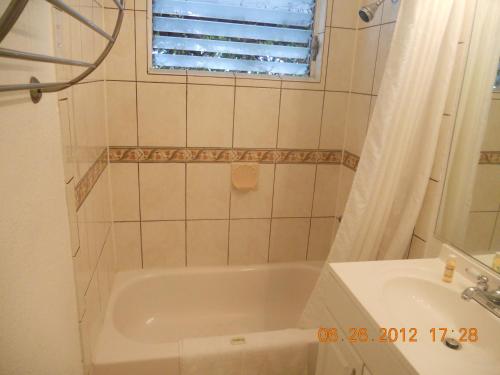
(36,88)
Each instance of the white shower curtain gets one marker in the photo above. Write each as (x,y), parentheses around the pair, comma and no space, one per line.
(472,119)
(398,153)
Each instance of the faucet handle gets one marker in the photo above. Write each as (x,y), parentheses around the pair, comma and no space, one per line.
(482,282)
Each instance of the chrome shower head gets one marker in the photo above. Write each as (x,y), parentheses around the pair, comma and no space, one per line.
(367,12)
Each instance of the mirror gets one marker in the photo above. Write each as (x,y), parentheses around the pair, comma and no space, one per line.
(469,214)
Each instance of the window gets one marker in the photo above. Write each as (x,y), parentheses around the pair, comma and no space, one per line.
(267,37)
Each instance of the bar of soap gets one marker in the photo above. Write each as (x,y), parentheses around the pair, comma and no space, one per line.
(244,176)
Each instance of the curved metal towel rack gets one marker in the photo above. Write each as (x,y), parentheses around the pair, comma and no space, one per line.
(9,18)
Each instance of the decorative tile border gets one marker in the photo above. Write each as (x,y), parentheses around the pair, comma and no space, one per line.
(87,182)
(224,155)
(351,161)
(489,157)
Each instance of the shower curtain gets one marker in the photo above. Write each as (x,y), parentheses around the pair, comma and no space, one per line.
(472,119)
(398,153)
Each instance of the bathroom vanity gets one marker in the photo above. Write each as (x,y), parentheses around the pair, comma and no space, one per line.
(395,318)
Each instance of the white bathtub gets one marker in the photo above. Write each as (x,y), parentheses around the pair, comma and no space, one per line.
(152,313)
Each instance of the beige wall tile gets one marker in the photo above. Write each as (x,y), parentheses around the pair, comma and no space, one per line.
(325,192)
(129,4)
(293,190)
(255,203)
(72,218)
(82,278)
(162,114)
(323,231)
(384,46)
(249,241)
(93,312)
(163,244)
(357,123)
(140,4)
(210,116)
(66,122)
(372,108)
(95,213)
(417,248)
(247,80)
(209,78)
(162,191)
(207,242)
(256,117)
(486,196)
(340,59)
(208,191)
(121,112)
(289,240)
(120,63)
(426,221)
(345,13)
(103,281)
(492,137)
(495,241)
(334,120)
(85,345)
(300,119)
(364,65)
(479,233)
(345,184)
(128,246)
(125,191)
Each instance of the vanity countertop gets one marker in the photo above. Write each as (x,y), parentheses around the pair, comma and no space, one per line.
(410,297)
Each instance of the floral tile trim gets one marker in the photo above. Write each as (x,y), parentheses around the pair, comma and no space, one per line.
(489,157)
(196,155)
(87,182)
(351,161)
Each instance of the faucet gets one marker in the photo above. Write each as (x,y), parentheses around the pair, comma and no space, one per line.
(480,293)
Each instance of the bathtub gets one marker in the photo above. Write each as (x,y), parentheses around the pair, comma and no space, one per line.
(155,316)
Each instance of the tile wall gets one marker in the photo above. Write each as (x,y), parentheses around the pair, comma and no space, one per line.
(82,113)
(173,211)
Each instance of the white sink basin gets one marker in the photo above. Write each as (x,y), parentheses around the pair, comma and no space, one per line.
(410,294)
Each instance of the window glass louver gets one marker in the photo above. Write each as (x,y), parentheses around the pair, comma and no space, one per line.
(271,37)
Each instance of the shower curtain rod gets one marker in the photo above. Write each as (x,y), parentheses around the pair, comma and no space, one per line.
(12,14)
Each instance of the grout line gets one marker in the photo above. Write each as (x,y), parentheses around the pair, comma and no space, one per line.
(94,270)
(140,212)
(271,218)
(235,219)
(185,217)
(312,205)
(420,238)
(372,26)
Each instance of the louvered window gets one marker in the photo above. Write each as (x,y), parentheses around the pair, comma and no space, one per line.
(273,37)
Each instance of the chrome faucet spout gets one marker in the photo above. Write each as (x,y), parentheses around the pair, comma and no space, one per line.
(490,300)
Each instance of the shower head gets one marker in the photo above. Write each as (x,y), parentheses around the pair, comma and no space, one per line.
(367,12)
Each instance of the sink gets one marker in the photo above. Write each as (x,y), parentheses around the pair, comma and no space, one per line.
(410,294)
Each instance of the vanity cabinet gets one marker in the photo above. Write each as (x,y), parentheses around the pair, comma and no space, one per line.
(339,310)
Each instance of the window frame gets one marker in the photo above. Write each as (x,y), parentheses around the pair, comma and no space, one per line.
(319,29)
